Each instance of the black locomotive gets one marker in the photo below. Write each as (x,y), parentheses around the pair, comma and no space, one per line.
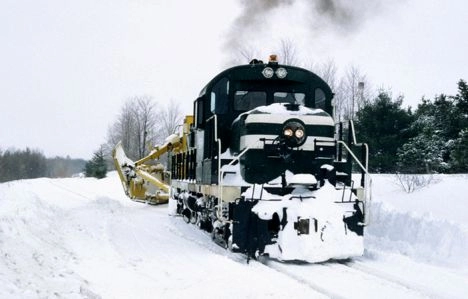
(267,170)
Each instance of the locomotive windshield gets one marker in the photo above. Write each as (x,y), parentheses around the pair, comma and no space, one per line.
(248,100)
(289,97)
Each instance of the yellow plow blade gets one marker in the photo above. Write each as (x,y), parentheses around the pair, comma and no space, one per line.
(146,183)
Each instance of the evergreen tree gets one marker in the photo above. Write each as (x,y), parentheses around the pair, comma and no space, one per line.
(384,125)
(461,99)
(459,153)
(459,146)
(22,164)
(440,129)
(97,166)
(423,154)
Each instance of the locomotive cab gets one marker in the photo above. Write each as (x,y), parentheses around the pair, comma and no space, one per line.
(248,107)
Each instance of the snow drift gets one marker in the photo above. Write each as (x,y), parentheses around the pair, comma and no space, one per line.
(82,238)
(429,224)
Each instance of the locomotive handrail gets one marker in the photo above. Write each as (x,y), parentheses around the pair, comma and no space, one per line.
(354,142)
(353,132)
(221,178)
(364,168)
(215,117)
(367,195)
(218,141)
(353,135)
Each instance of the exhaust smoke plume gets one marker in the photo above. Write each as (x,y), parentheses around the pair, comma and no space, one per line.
(317,18)
(253,17)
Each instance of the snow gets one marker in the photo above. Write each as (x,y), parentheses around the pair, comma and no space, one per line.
(83,238)
(329,240)
(429,224)
(303,179)
(278,108)
(445,198)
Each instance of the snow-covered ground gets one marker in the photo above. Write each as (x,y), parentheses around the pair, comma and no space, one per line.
(82,238)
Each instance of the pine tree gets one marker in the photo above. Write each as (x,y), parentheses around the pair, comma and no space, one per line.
(459,153)
(97,166)
(461,98)
(441,135)
(459,147)
(384,125)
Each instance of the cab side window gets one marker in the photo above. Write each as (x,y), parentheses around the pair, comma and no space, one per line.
(319,99)
(219,101)
(199,113)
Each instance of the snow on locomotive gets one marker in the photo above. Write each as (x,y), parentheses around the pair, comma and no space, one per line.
(262,166)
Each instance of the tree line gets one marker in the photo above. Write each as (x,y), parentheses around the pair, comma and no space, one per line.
(31,163)
(432,139)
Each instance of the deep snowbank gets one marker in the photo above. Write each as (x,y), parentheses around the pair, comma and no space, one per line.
(420,237)
(429,224)
(82,238)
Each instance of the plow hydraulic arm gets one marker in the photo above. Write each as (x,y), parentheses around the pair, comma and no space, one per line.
(147,179)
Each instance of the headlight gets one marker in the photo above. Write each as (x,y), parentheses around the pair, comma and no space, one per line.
(288,132)
(299,133)
(268,72)
(294,134)
(281,73)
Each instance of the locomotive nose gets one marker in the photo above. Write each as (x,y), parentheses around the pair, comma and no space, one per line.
(293,134)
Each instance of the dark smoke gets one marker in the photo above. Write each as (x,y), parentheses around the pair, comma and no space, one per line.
(338,14)
(252,18)
(337,17)
(346,16)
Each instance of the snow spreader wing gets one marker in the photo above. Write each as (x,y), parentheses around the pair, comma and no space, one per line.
(147,179)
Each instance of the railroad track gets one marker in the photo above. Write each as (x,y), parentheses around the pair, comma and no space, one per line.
(359,278)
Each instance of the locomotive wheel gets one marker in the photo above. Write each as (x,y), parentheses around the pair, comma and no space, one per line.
(213,234)
(194,217)
(229,245)
(186,215)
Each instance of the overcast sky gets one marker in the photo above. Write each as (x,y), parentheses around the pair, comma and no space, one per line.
(66,67)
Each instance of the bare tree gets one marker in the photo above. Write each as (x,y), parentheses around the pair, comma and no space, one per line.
(328,72)
(287,52)
(144,115)
(245,54)
(134,127)
(170,118)
(122,130)
(140,126)
(351,94)
(351,91)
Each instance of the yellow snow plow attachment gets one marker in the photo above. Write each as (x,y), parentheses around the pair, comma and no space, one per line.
(147,180)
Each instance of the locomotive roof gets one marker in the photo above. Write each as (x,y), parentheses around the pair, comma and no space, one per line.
(254,72)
